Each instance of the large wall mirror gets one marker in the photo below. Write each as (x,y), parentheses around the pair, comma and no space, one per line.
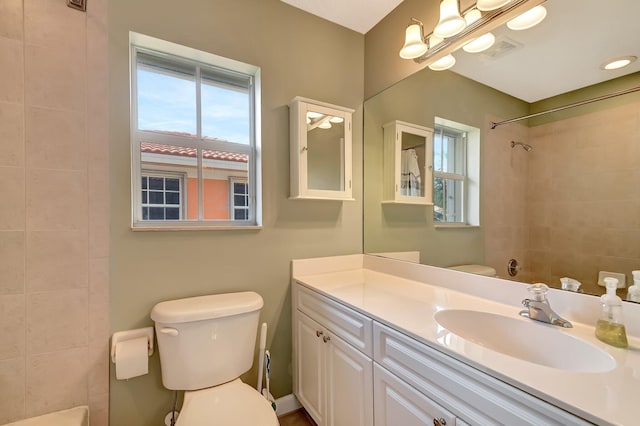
(559,193)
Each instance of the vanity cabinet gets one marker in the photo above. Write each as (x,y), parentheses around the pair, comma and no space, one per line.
(333,378)
(350,369)
(407,164)
(320,150)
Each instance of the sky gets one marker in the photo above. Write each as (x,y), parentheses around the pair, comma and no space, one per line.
(168,103)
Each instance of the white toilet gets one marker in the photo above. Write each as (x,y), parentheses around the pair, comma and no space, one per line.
(205,344)
(485,270)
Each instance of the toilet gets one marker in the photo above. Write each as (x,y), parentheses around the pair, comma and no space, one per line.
(205,344)
(485,270)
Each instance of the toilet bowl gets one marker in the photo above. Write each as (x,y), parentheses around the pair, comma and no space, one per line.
(231,404)
(485,270)
(205,344)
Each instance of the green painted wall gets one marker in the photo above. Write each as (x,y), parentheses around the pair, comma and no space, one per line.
(300,55)
(418,99)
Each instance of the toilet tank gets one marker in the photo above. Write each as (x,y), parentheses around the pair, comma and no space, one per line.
(207,340)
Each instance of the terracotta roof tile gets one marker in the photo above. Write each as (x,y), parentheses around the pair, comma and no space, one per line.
(155,148)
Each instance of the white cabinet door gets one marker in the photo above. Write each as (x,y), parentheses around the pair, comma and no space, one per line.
(397,403)
(349,379)
(310,372)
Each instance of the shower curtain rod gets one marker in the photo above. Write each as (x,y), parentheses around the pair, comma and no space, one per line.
(577,104)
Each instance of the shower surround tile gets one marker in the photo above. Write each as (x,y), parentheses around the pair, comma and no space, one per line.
(12,255)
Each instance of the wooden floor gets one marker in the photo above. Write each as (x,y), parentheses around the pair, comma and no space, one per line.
(296,418)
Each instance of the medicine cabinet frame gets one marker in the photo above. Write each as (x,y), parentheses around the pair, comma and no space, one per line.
(422,137)
(328,175)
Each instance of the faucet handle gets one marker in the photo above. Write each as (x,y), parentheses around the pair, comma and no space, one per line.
(538,292)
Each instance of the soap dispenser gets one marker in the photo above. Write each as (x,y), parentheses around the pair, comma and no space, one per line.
(610,326)
(633,295)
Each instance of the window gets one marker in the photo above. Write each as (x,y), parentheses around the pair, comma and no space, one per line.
(456,160)
(239,201)
(161,197)
(195,138)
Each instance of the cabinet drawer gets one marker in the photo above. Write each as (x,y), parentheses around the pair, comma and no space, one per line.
(471,394)
(397,403)
(351,326)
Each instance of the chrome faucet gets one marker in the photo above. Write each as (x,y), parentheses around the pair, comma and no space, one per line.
(538,307)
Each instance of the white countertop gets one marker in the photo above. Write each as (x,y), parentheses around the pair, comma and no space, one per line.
(409,307)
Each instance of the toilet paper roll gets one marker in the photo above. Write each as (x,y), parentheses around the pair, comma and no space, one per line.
(132,359)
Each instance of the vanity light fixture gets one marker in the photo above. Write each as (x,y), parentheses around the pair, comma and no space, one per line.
(324,125)
(617,63)
(336,120)
(473,32)
(451,23)
(529,19)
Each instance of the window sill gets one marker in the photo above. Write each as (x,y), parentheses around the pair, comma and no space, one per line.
(455,226)
(144,227)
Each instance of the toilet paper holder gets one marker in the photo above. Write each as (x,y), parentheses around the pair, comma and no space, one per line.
(121,336)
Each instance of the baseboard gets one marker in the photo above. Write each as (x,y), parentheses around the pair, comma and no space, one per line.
(287,404)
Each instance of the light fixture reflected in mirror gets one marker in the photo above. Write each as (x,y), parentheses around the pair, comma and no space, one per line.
(485,5)
(481,43)
(336,120)
(325,125)
(451,23)
(443,63)
(529,19)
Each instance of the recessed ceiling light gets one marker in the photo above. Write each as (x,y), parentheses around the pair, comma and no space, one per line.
(528,19)
(616,63)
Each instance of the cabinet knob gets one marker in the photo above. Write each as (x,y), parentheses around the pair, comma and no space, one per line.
(439,422)
(319,333)
(326,339)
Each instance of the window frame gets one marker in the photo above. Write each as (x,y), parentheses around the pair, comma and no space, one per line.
(181,177)
(440,130)
(207,61)
(232,205)
(470,202)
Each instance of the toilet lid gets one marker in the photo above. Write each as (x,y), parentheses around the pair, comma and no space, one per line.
(476,269)
(232,404)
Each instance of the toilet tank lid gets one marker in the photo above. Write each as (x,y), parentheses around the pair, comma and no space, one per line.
(206,307)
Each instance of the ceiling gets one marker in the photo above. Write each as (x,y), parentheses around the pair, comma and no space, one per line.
(357,15)
(561,54)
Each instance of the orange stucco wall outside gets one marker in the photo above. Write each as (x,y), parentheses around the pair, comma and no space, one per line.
(216,199)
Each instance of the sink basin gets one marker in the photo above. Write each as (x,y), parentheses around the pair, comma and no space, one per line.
(526,340)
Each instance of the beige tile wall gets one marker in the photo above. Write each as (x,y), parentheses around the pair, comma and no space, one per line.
(570,207)
(54,242)
(584,196)
(504,190)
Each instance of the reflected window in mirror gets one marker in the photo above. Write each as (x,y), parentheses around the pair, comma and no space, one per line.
(456,174)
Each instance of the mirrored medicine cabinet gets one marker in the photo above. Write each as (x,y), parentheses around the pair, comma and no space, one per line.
(408,169)
(320,158)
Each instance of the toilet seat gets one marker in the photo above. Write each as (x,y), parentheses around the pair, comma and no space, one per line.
(231,404)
